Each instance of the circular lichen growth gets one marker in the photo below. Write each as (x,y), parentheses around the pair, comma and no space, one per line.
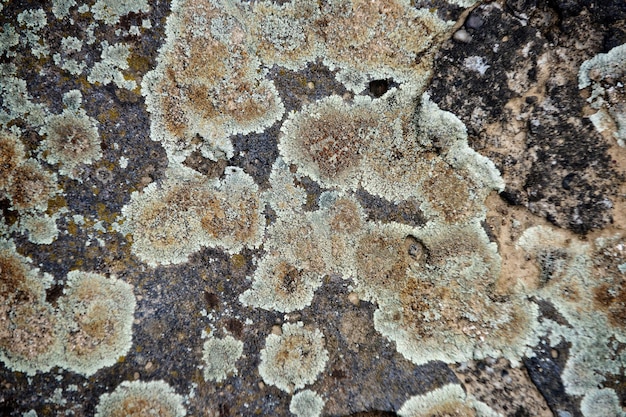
(220,356)
(306,403)
(71,139)
(98,312)
(278,285)
(31,187)
(169,222)
(141,399)
(293,359)
(447,401)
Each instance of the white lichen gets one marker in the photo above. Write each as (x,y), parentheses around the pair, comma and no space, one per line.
(220,357)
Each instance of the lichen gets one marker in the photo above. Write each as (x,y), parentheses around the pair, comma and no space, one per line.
(601,403)
(449,401)
(584,284)
(141,399)
(41,229)
(29,337)
(72,139)
(31,187)
(110,11)
(605,74)
(188,211)
(280,286)
(294,359)
(220,357)
(98,314)
(436,291)
(113,59)
(202,97)
(306,403)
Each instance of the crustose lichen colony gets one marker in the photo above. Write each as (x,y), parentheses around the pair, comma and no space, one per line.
(438,287)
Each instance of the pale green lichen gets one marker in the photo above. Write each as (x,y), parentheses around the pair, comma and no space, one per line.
(306,403)
(294,359)
(154,398)
(72,140)
(280,286)
(601,403)
(606,75)
(41,229)
(113,59)
(220,357)
(448,400)
(61,8)
(588,298)
(34,20)
(67,59)
(110,11)
(8,39)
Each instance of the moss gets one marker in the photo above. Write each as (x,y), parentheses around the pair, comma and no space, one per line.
(141,399)
(293,359)
(220,357)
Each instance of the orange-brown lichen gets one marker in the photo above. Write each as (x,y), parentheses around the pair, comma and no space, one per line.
(325,140)
(297,240)
(29,340)
(197,96)
(404,51)
(141,399)
(170,222)
(285,34)
(98,313)
(441,302)
(31,187)
(71,139)
(11,156)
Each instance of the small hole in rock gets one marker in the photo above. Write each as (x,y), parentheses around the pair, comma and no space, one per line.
(378,87)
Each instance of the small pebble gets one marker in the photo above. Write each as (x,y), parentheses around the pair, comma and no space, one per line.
(354,298)
(462,35)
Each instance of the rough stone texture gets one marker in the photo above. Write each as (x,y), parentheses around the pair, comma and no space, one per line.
(525,113)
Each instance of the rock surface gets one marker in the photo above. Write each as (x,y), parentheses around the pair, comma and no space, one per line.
(426,205)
